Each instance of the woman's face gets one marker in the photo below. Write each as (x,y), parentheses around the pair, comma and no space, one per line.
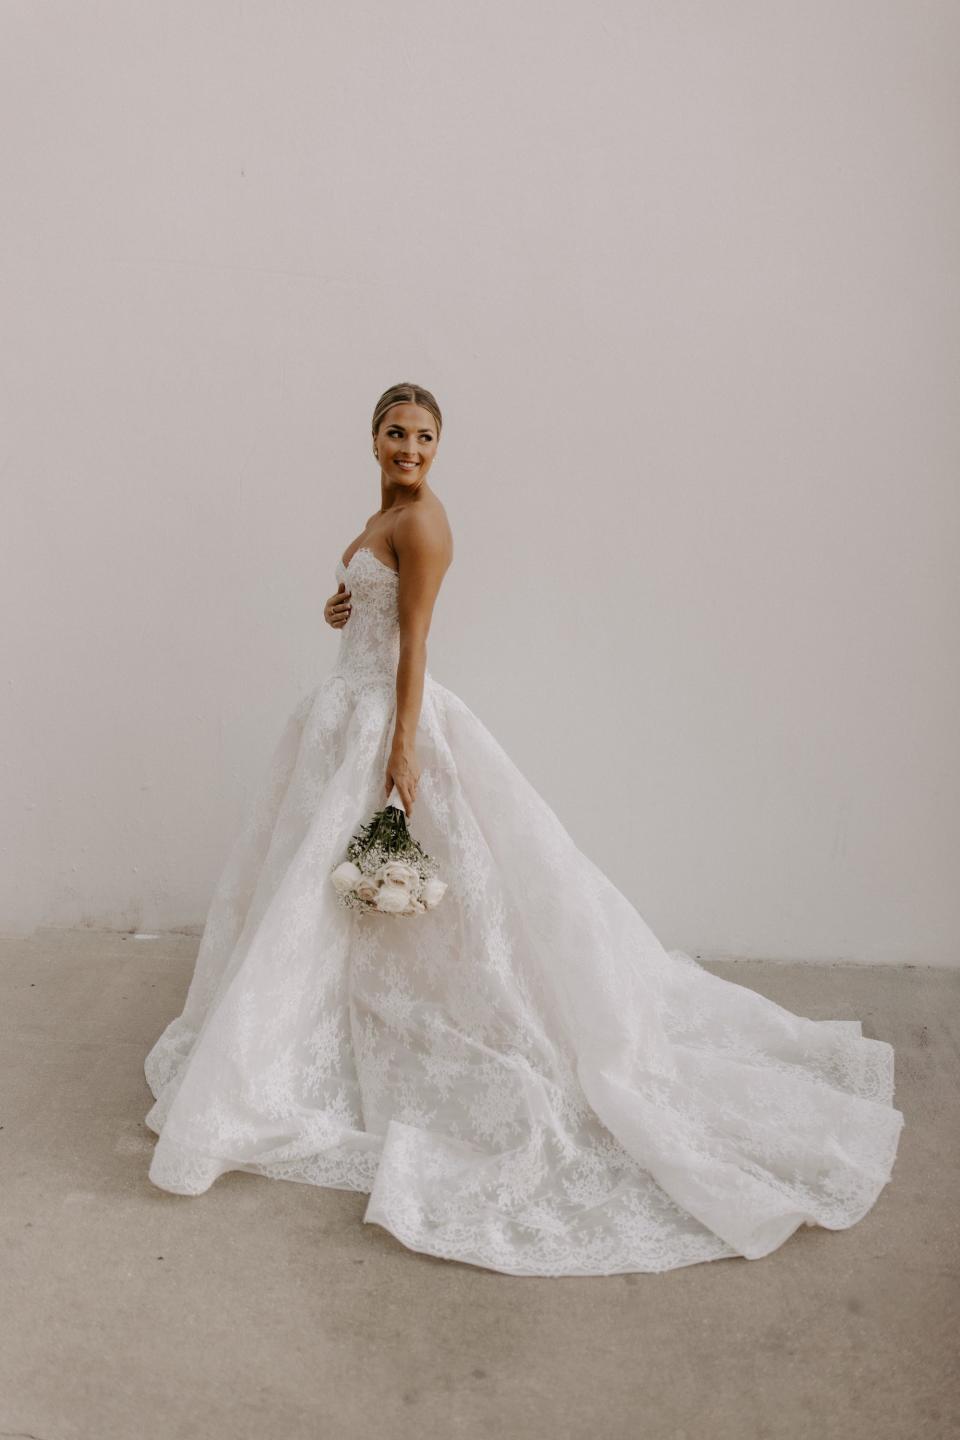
(407,433)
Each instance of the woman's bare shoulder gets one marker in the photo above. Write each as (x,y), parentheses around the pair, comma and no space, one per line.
(429,520)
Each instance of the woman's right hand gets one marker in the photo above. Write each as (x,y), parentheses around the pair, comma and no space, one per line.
(336,612)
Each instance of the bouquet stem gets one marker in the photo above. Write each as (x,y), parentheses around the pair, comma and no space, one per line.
(394,799)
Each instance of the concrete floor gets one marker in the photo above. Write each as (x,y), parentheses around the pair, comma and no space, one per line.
(267,1309)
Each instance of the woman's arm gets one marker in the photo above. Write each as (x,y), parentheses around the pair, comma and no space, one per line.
(423,550)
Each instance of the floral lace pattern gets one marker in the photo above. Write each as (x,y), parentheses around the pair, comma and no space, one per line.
(524,1078)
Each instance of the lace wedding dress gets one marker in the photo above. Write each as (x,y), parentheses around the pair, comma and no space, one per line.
(523,1078)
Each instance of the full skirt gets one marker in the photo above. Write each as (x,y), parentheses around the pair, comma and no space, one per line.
(522,1078)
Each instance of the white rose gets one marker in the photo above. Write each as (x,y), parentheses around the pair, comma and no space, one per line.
(393,899)
(398,872)
(368,889)
(345,876)
(433,891)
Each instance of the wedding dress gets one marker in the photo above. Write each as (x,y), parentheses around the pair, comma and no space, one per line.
(522,1078)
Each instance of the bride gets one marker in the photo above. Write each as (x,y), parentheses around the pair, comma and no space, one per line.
(522,1078)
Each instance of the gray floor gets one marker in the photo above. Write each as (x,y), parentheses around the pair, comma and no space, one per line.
(267,1309)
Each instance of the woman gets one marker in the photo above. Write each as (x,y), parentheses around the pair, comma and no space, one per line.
(522,1078)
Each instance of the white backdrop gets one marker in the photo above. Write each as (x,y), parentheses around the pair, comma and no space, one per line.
(683,278)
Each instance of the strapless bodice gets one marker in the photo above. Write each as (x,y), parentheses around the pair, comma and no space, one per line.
(370,640)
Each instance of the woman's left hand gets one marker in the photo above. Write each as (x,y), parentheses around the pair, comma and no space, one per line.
(403,771)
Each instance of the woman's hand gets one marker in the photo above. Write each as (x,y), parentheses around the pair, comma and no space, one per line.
(336,612)
(403,771)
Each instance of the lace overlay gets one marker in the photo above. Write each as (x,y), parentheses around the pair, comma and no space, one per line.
(522,1079)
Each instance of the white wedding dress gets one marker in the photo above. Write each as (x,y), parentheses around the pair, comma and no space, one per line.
(522,1078)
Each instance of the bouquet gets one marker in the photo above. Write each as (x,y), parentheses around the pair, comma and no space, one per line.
(386,870)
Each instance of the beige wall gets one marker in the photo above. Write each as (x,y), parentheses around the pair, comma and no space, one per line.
(683,277)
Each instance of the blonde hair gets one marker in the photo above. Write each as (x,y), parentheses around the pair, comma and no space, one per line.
(406,393)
